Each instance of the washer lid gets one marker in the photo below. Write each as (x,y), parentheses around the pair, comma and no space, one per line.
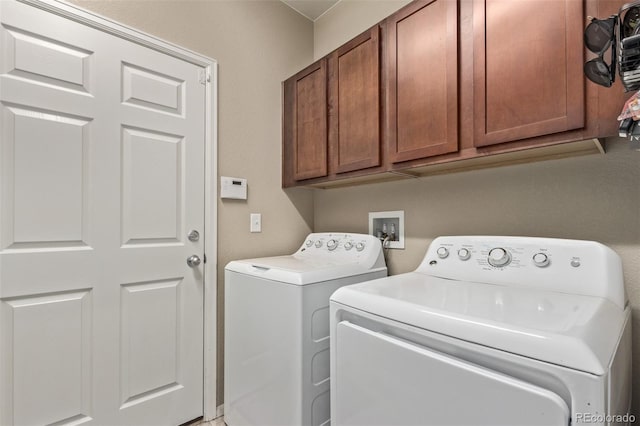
(322,256)
(579,332)
(300,270)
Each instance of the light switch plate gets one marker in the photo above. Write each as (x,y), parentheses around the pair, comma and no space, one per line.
(256,222)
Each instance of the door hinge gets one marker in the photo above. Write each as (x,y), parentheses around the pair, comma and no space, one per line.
(204,257)
(203,76)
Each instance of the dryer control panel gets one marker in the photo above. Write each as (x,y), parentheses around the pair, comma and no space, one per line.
(568,266)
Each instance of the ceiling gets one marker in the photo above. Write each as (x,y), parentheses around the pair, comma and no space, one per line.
(311,9)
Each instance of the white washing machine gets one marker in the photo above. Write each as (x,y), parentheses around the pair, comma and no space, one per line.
(487,331)
(277,328)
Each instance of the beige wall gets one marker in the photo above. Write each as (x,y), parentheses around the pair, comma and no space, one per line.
(257,45)
(592,198)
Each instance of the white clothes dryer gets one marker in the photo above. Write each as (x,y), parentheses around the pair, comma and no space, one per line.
(277,328)
(487,331)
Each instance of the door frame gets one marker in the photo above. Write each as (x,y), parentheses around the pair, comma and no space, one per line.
(77,14)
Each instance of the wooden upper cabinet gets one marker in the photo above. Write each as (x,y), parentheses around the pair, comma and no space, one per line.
(354,104)
(528,58)
(444,81)
(422,80)
(305,124)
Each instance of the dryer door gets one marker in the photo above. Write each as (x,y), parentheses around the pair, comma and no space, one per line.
(382,380)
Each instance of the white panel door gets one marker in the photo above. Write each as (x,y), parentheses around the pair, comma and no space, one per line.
(101,180)
(380,379)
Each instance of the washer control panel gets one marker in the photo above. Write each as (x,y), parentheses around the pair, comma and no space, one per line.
(572,266)
(339,244)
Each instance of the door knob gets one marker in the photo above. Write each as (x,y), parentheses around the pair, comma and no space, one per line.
(193,260)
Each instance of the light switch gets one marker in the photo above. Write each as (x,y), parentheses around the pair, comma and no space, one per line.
(256,222)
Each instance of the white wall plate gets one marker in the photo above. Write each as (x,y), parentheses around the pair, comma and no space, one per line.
(389,224)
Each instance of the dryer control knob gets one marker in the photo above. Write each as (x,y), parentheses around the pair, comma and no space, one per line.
(464,254)
(540,260)
(442,252)
(348,245)
(332,244)
(499,257)
(309,243)
(360,246)
(318,243)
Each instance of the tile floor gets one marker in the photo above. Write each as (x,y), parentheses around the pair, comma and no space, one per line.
(217,422)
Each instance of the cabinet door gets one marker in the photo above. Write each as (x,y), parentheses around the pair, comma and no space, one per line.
(305,124)
(422,80)
(528,58)
(354,104)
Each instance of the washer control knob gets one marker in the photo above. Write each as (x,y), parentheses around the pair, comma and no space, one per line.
(442,252)
(540,260)
(348,245)
(360,246)
(309,243)
(332,244)
(464,254)
(319,243)
(499,257)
